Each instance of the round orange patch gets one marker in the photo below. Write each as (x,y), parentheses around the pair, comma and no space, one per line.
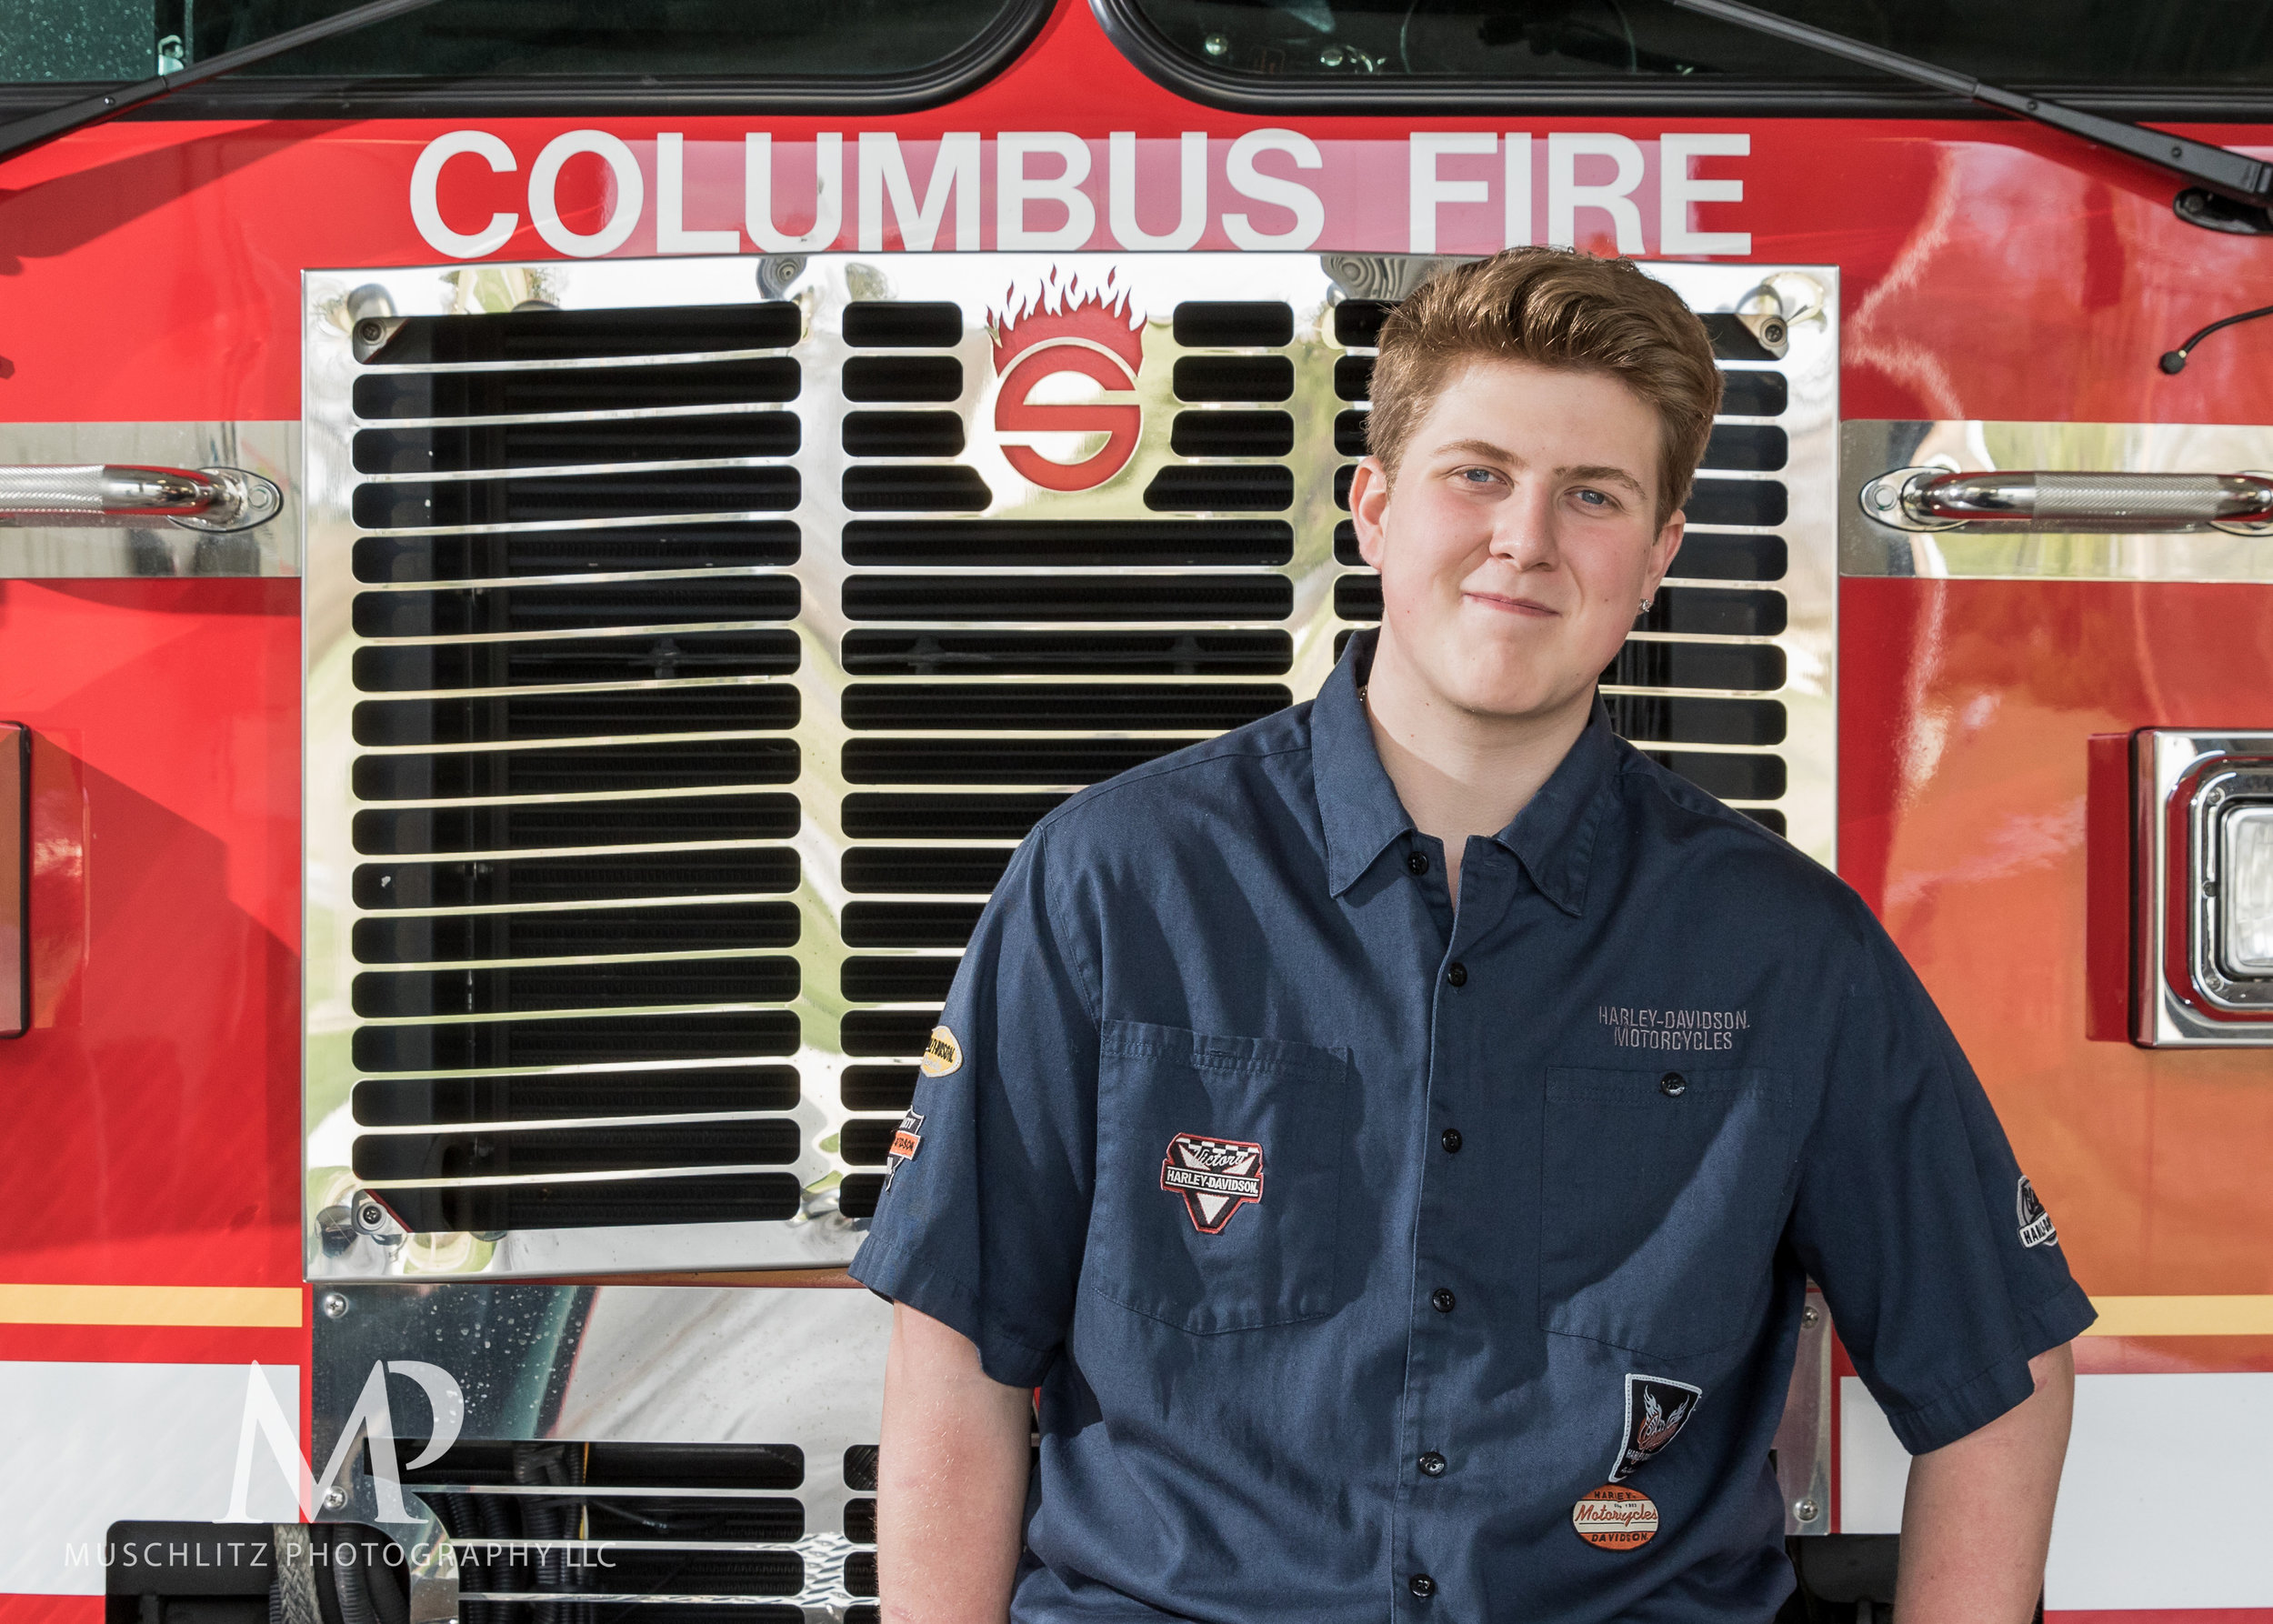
(1615,1517)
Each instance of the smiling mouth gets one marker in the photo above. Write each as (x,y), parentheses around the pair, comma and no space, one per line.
(1513,606)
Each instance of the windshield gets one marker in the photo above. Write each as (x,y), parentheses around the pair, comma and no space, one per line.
(109,40)
(2106,44)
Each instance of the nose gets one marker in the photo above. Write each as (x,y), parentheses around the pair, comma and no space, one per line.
(1524,533)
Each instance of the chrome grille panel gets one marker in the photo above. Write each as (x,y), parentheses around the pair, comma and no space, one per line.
(685,662)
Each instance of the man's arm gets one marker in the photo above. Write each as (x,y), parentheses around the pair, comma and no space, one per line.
(1978,1515)
(950,1478)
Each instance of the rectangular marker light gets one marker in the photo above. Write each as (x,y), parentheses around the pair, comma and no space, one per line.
(2246,834)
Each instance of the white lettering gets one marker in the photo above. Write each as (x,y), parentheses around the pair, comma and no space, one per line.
(883,172)
(425,177)
(828,194)
(1424,192)
(1015,188)
(1291,196)
(671,235)
(1678,189)
(1191,214)
(631,193)
(1565,196)
(371,1417)
(78,1556)
(1518,190)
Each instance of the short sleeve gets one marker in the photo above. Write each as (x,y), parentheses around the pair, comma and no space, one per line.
(1943,1273)
(982,1225)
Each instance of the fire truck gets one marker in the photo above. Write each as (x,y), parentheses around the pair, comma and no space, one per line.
(549,553)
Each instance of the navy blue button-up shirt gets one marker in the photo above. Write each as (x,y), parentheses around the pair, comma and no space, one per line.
(1354,1242)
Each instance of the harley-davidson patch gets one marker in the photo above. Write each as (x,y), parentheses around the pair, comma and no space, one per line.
(1614,1519)
(943,1057)
(1656,1408)
(2036,1224)
(905,1144)
(1214,1176)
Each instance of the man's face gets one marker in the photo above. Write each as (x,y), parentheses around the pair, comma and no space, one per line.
(1520,538)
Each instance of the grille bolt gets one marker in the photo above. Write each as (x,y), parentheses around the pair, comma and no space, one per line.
(1806,1510)
(370,1215)
(335,1305)
(370,331)
(1216,44)
(1807,1316)
(334,1499)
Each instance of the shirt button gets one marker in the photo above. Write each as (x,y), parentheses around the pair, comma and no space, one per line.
(1442,1301)
(1432,1465)
(1457,975)
(1422,1585)
(1450,1140)
(1673,1085)
(1416,862)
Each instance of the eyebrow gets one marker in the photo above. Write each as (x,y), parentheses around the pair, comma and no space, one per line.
(1601,472)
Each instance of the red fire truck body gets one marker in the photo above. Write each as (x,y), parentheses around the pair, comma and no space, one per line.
(1995,721)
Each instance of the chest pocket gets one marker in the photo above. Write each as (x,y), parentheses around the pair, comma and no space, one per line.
(1219,1176)
(1662,1205)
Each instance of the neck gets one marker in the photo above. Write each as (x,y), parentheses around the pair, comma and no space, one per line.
(1460,772)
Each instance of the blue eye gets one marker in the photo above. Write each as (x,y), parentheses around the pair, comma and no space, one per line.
(1594,498)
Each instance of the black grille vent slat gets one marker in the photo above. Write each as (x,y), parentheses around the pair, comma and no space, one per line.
(571,1040)
(1133,654)
(1211,323)
(1358,597)
(942,487)
(1754,394)
(953,870)
(404,668)
(757,382)
(896,981)
(881,1033)
(1234,377)
(673,1516)
(596,769)
(878,1087)
(455,1101)
(999,760)
(869,817)
(1758,722)
(387,995)
(506,881)
(1101,544)
(732,708)
(632,493)
(1732,777)
(571,932)
(1731,339)
(1711,611)
(902,434)
(564,824)
(1076,707)
(903,377)
(554,444)
(742,544)
(857,1198)
(1350,434)
(556,1151)
(1068,598)
(573,335)
(1754,447)
(696,1198)
(1234,488)
(1759,667)
(1737,502)
(892,324)
(1357,322)
(1353,378)
(910,923)
(867,1143)
(1232,434)
(470,611)
(1705,555)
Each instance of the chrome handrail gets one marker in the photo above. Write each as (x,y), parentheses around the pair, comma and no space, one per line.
(1933,498)
(113,495)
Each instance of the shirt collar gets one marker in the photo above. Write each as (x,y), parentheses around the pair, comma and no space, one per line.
(1553,836)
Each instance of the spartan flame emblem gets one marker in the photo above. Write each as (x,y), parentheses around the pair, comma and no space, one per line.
(1656,1408)
(1064,328)
(1214,1176)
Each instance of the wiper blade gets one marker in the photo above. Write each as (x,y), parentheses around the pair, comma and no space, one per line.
(2230,175)
(24,133)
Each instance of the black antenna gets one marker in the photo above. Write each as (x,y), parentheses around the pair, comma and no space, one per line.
(2174,361)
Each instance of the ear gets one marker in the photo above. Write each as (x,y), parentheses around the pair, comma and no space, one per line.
(1368,505)
(1662,551)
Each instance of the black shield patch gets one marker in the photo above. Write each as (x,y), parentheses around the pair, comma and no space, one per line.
(1214,1176)
(1656,1408)
(2036,1224)
(905,1144)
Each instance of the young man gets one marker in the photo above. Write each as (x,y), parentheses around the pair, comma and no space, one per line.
(1290,1131)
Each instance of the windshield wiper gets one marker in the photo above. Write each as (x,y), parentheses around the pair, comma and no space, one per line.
(23,133)
(2220,171)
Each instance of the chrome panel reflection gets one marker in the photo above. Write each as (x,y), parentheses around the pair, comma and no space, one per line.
(619,1364)
(1803,1438)
(2189,786)
(83,546)
(1882,463)
(822,286)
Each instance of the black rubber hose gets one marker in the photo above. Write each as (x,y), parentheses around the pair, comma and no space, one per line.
(390,1597)
(349,1580)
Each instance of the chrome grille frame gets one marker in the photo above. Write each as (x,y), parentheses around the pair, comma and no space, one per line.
(338,306)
